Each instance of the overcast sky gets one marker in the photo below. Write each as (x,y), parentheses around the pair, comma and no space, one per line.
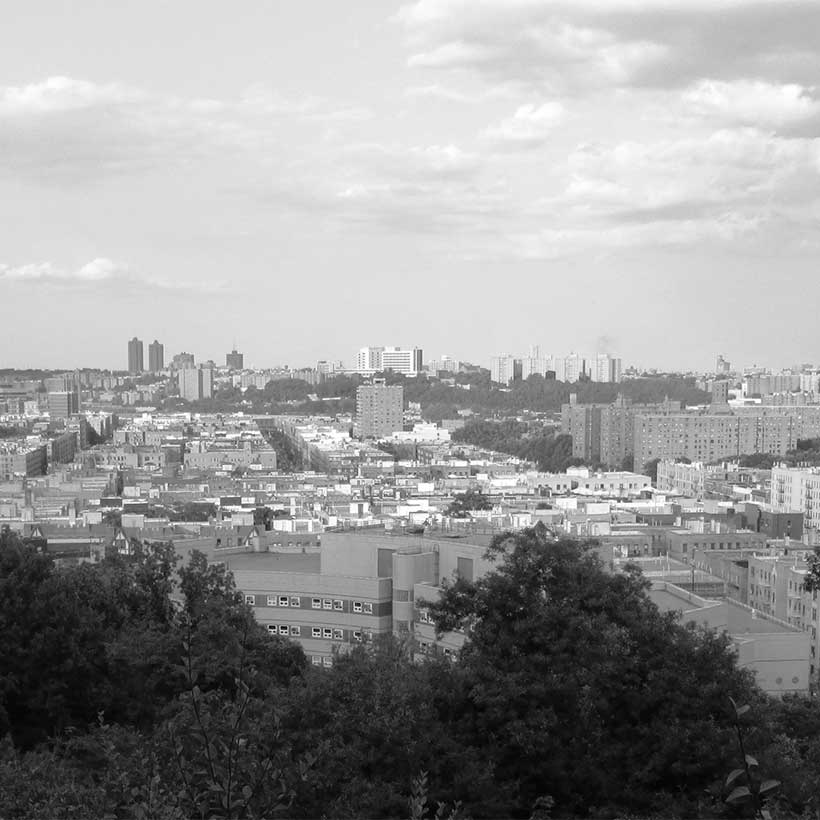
(470,176)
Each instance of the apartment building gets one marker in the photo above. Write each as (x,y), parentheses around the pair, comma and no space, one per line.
(156,356)
(709,436)
(135,356)
(797,489)
(379,409)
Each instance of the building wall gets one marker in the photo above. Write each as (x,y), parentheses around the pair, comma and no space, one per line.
(379,410)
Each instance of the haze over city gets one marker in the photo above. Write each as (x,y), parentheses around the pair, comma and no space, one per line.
(472,177)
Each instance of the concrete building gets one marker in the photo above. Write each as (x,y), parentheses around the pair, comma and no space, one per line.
(156,357)
(379,409)
(502,369)
(135,360)
(234,360)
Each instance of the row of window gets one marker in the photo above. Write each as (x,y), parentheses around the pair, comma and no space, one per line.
(363,607)
(319,632)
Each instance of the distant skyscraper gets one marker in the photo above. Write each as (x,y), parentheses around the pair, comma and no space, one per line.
(156,356)
(379,409)
(234,360)
(135,360)
(183,360)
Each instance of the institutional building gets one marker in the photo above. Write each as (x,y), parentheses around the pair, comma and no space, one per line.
(235,360)
(406,360)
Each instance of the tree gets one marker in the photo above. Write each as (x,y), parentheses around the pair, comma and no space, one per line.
(465,503)
(578,689)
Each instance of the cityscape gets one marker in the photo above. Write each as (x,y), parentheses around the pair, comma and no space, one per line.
(410,409)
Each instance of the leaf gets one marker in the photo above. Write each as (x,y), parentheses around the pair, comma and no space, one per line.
(739,794)
(733,775)
(247,791)
(769,786)
(741,710)
(751,761)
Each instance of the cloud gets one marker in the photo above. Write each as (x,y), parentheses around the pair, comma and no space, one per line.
(750,102)
(557,45)
(96,273)
(63,129)
(528,127)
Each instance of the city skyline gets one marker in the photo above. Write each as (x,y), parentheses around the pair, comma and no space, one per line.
(635,170)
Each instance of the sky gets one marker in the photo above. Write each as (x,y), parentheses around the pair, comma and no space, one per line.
(637,177)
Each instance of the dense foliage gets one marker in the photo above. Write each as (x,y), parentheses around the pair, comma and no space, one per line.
(140,689)
(443,399)
(807,452)
(528,441)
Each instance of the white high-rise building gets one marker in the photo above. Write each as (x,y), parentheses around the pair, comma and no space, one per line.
(574,365)
(502,369)
(606,368)
(369,360)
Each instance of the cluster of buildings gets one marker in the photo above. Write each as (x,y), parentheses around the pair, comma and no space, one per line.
(356,538)
(602,367)
(610,433)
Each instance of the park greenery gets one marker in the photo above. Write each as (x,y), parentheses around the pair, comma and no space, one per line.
(442,398)
(139,688)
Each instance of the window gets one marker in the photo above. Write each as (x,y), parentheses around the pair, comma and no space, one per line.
(327,661)
(316,632)
(357,606)
(337,634)
(316,603)
(295,600)
(250,599)
(271,600)
(368,609)
(338,605)
(316,660)
(357,635)
(327,634)
(283,600)
(272,629)
(327,603)
(296,631)
(283,629)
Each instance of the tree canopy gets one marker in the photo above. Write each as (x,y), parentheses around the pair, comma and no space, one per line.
(139,688)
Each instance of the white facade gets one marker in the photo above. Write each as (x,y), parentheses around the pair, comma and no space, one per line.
(502,369)
(797,489)
(406,360)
